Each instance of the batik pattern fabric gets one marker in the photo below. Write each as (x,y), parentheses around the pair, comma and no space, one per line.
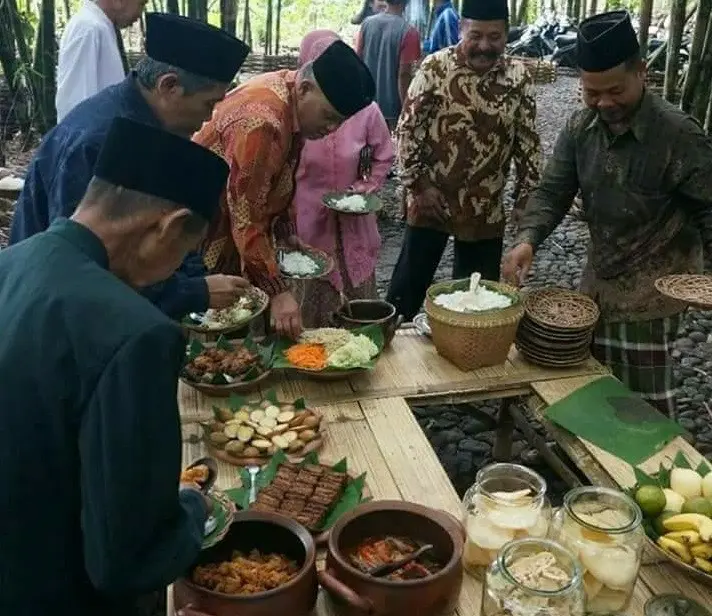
(639,354)
(460,131)
(647,199)
(256,131)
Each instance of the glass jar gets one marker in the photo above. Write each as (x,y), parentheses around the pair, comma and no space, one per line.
(533,577)
(507,502)
(602,528)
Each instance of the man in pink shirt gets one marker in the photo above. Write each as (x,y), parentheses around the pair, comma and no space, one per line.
(390,48)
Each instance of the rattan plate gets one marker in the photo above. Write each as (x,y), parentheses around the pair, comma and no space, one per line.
(550,333)
(552,363)
(693,289)
(561,309)
(535,341)
(552,354)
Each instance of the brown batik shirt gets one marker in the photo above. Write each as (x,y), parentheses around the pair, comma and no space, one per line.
(647,198)
(460,131)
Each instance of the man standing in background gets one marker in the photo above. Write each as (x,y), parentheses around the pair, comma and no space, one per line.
(470,112)
(89,57)
(390,48)
(446,27)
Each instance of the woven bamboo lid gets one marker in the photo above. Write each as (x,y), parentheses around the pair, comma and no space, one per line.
(693,289)
(561,309)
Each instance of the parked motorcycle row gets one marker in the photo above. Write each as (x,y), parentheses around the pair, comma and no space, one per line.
(553,38)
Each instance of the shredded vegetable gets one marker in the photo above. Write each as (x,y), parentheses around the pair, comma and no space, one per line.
(309,356)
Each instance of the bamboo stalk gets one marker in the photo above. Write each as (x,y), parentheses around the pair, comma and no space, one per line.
(672,60)
(646,15)
(696,51)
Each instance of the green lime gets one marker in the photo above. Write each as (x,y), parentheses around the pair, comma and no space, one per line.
(658,522)
(651,500)
(698,504)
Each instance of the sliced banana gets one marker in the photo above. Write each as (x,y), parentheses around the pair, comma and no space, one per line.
(257,416)
(272,411)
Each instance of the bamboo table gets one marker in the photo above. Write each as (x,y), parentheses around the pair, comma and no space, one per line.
(369,421)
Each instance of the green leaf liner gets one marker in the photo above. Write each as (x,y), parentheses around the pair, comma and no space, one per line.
(352,495)
(680,461)
(703,469)
(374,332)
(643,479)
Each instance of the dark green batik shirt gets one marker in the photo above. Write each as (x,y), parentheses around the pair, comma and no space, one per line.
(90,440)
(647,198)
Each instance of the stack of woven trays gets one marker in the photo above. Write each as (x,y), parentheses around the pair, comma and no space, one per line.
(557,328)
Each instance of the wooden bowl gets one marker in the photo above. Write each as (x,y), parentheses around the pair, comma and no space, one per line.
(269,533)
(356,594)
(223,391)
(361,312)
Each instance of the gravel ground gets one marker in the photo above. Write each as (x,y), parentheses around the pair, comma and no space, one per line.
(463,439)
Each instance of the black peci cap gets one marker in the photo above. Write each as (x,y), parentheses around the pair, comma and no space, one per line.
(344,79)
(155,162)
(485,10)
(194,46)
(606,41)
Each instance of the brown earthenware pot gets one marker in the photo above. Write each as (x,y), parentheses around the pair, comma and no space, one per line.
(360,312)
(355,593)
(268,533)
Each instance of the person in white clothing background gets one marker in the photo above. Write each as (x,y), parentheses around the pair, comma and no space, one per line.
(89,57)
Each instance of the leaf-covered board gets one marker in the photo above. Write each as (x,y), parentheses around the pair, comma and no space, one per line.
(248,432)
(372,332)
(352,495)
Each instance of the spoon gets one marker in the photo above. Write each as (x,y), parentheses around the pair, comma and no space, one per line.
(253,470)
(388,568)
(210,525)
(475,282)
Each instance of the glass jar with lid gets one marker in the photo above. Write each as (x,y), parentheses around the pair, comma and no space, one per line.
(533,577)
(603,529)
(506,502)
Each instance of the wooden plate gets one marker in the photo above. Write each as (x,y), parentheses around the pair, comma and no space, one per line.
(223,455)
(693,289)
(223,391)
(373,203)
(258,295)
(693,572)
(323,260)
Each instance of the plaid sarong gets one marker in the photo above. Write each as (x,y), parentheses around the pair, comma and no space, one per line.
(639,354)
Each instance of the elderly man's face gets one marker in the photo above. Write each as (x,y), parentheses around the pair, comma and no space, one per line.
(483,42)
(317,117)
(614,94)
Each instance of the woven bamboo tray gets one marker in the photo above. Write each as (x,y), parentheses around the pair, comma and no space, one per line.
(693,289)
(474,339)
(541,71)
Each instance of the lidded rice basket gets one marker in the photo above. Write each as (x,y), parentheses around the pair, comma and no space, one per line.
(473,339)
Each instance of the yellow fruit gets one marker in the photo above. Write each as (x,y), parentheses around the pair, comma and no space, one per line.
(690,521)
(703,564)
(673,500)
(676,549)
(686,482)
(702,550)
(687,537)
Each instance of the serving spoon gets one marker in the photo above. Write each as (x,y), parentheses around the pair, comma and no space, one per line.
(388,568)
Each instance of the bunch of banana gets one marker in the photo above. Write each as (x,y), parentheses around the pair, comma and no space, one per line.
(689,538)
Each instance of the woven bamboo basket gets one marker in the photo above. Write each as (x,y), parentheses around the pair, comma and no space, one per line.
(541,71)
(473,339)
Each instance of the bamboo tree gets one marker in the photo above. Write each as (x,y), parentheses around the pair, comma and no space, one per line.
(278,27)
(67,10)
(698,40)
(593,8)
(672,59)
(247,26)
(44,67)
(172,7)
(268,29)
(575,9)
(228,16)
(646,15)
(8,53)
(701,97)
(512,14)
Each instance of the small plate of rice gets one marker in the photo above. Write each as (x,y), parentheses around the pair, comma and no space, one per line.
(304,264)
(352,203)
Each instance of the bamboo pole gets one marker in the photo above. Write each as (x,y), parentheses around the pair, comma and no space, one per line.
(696,50)
(672,60)
(646,16)
(701,96)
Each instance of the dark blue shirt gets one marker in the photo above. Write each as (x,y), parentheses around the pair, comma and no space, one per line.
(446,29)
(60,172)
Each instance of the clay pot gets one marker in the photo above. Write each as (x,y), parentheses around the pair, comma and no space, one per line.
(269,533)
(356,594)
(360,312)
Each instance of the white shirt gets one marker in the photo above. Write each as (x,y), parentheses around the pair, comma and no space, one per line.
(89,58)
